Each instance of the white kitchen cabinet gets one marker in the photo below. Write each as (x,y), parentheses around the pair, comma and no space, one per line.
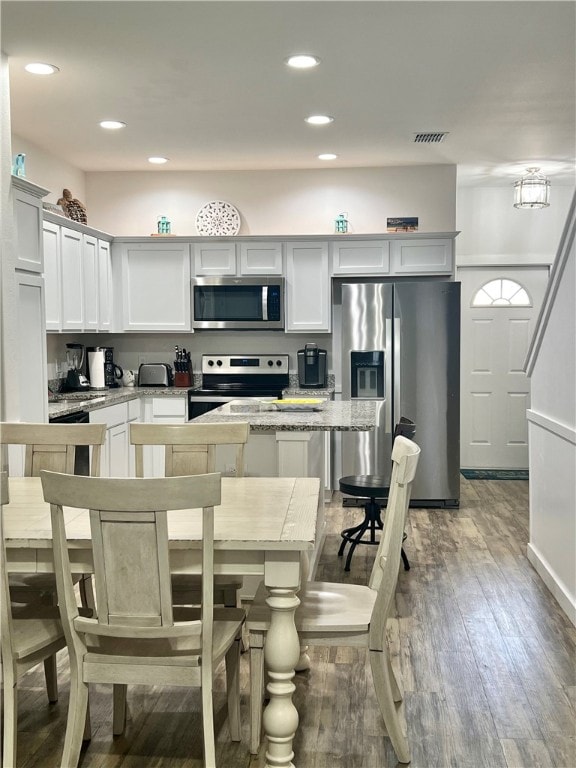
(90,274)
(72,274)
(115,461)
(422,256)
(161,410)
(307,287)
(52,276)
(242,259)
(105,294)
(33,387)
(261,258)
(154,290)
(27,199)
(214,259)
(78,276)
(360,257)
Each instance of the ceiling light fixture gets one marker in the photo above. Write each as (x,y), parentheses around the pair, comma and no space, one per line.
(327,156)
(38,68)
(532,191)
(112,125)
(302,61)
(319,119)
(158,160)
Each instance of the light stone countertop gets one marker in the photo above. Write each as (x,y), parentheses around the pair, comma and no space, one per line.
(342,416)
(70,402)
(65,403)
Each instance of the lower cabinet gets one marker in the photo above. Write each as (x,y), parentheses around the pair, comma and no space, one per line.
(117,456)
(160,410)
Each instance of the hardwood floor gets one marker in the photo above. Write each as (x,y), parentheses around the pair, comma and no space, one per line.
(487,661)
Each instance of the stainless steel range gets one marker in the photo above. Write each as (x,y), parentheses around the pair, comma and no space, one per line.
(227,377)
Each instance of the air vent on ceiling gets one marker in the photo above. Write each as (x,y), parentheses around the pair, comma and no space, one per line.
(431,137)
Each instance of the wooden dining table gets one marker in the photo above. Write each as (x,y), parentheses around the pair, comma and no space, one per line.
(264,526)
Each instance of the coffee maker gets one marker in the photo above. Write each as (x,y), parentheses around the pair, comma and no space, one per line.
(312,367)
(75,379)
(103,371)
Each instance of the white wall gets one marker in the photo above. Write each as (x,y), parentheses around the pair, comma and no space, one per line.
(50,172)
(493,231)
(275,202)
(552,434)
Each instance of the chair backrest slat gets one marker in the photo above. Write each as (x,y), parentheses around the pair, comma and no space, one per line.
(128,519)
(384,577)
(53,446)
(190,449)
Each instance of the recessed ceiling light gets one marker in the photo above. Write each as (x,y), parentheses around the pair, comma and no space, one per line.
(303,61)
(37,68)
(112,125)
(327,156)
(158,160)
(319,119)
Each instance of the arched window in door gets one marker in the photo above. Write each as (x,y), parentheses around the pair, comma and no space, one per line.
(502,293)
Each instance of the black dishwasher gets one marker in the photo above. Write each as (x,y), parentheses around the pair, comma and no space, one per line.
(82,456)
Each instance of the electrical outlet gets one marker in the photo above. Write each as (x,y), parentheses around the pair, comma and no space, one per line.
(230,470)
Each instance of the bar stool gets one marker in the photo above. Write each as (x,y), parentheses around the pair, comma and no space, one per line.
(371,487)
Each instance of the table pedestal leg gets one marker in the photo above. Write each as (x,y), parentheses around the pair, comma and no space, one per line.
(281,653)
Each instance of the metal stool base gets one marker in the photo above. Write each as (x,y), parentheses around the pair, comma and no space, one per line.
(372,522)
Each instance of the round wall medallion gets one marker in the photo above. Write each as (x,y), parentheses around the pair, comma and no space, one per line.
(218,218)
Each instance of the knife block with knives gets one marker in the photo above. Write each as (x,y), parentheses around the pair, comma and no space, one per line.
(182,368)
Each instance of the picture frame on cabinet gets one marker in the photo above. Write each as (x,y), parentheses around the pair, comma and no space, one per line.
(402,224)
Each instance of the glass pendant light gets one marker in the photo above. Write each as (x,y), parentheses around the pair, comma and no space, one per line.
(532,191)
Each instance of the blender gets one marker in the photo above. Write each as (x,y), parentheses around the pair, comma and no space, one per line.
(75,380)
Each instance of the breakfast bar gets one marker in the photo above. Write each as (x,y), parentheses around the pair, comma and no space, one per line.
(291,442)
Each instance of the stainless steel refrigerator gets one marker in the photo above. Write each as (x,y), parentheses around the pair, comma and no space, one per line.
(400,345)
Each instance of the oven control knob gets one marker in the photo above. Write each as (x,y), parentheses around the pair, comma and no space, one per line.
(278,363)
(219,362)
(210,363)
(270,363)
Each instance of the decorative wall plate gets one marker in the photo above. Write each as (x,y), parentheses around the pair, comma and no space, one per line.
(218,218)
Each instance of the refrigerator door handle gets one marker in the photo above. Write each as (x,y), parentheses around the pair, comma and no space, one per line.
(390,394)
(397,370)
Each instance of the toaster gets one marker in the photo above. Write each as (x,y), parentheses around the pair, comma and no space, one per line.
(155,375)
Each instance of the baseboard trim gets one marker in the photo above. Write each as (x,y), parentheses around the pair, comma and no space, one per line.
(556,587)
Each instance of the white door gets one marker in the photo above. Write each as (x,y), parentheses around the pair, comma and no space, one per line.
(499,311)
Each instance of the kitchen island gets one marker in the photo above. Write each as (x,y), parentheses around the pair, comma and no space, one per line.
(293,443)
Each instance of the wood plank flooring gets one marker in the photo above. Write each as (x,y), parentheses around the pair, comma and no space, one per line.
(486,656)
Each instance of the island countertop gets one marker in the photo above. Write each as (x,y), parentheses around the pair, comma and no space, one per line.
(341,416)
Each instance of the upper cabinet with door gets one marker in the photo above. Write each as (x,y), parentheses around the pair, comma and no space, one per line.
(28,219)
(307,298)
(153,280)
(242,258)
(394,255)
(78,276)
(429,255)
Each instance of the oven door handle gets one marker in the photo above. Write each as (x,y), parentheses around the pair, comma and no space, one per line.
(264,302)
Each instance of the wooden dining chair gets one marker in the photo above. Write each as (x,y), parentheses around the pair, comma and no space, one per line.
(134,639)
(52,447)
(32,635)
(190,449)
(350,614)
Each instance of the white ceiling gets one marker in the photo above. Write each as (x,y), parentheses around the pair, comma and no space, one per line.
(205,84)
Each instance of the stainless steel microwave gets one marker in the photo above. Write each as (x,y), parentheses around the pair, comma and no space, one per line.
(238,303)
